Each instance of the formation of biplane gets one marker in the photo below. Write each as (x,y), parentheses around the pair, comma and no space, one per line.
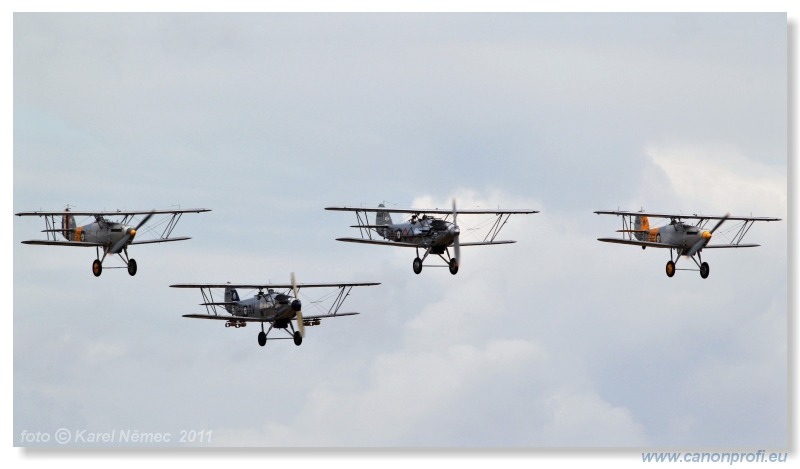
(431,233)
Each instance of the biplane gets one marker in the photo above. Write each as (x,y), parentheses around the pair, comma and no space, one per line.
(434,235)
(680,237)
(276,304)
(111,231)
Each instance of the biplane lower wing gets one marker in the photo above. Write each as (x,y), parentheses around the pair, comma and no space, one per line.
(86,244)
(63,243)
(489,243)
(226,318)
(378,242)
(412,245)
(164,240)
(634,242)
(257,319)
(712,246)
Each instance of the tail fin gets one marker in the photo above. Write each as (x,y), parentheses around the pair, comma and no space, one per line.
(68,226)
(230,296)
(642,226)
(382,218)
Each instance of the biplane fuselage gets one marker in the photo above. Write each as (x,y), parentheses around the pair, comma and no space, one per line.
(100,232)
(270,306)
(424,231)
(678,234)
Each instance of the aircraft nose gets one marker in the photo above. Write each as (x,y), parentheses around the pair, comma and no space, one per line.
(706,235)
(132,232)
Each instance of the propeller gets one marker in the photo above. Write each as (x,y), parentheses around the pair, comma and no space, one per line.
(297,307)
(456,236)
(117,247)
(706,237)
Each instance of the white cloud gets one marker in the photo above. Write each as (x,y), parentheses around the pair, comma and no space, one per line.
(720,178)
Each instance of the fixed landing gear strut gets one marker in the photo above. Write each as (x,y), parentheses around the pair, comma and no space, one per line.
(452,262)
(704,267)
(97,265)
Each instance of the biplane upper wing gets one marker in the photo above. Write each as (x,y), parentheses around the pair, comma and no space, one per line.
(273,285)
(111,212)
(437,211)
(687,217)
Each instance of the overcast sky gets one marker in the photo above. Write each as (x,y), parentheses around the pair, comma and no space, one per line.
(556,341)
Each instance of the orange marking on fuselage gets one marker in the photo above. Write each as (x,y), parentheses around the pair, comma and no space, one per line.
(78,232)
(653,234)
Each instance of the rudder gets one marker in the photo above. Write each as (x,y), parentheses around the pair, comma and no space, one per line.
(382,218)
(68,226)
(231,295)
(641,227)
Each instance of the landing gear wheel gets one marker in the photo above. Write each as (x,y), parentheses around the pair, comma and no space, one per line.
(453,266)
(262,338)
(298,339)
(132,267)
(670,269)
(417,265)
(704,270)
(97,268)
